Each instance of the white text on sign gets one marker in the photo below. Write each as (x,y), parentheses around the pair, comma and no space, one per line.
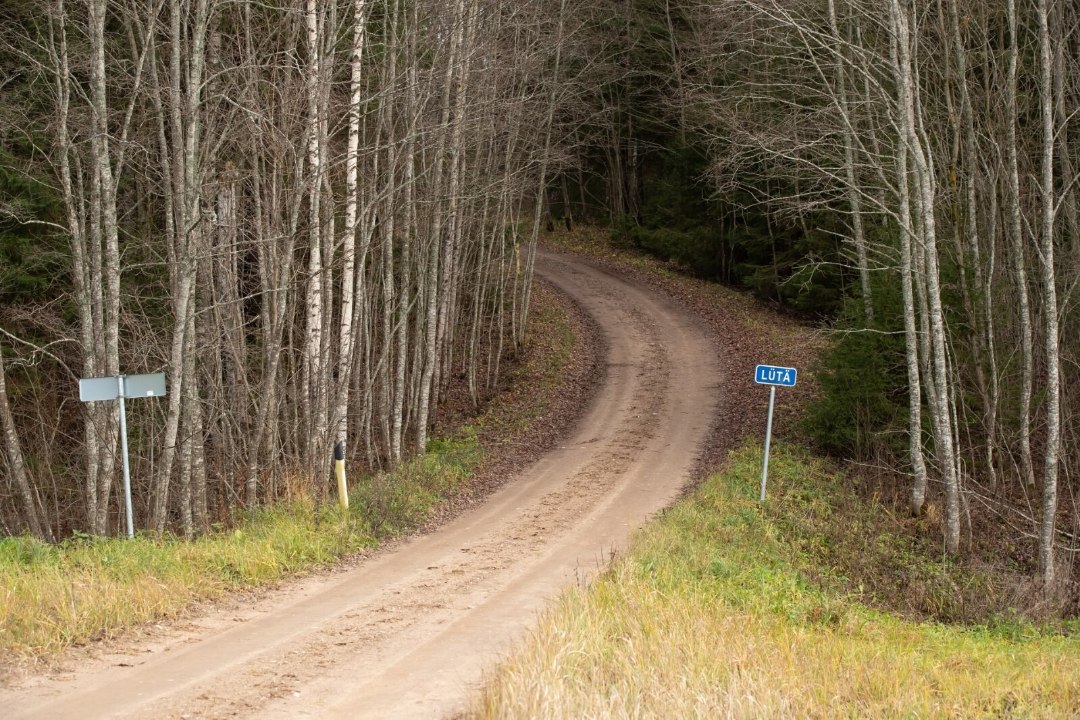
(773,375)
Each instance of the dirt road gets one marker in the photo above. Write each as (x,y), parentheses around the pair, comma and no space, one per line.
(409,632)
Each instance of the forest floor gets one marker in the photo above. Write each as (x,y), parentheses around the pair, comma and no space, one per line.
(409,630)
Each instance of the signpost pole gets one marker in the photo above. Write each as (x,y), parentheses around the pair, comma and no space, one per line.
(768,441)
(772,376)
(124,447)
(119,387)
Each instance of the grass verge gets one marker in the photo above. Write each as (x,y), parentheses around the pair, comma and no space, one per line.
(53,597)
(726,608)
(56,596)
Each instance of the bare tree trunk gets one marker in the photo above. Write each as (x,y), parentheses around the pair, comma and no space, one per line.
(15,460)
(82,277)
(187,444)
(352,200)
(911,333)
(1050,303)
(185,72)
(410,368)
(324,439)
(436,271)
(549,121)
(313,347)
(970,168)
(854,192)
(1063,104)
(398,424)
(1019,270)
(276,270)
(988,325)
(387,121)
(925,203)
(107,216)
(232,427)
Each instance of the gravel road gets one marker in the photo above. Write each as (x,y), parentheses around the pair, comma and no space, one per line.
(409,632)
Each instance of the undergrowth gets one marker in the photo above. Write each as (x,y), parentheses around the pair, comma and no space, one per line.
(729,608)
(396,502)
(856,541)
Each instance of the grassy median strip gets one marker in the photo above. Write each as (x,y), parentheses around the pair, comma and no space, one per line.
(713,613)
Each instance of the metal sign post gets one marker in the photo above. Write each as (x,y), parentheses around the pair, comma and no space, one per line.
(119,387)
(124,449)
(774,377)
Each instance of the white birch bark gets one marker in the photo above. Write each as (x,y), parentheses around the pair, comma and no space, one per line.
(399,420)
(923,176)
(313,346)
(349,274)
(1027,466)
(1048,210)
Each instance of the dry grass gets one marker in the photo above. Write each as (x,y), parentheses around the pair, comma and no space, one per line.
(52,597)
(711,615)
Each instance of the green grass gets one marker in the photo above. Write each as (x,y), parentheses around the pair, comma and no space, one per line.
(396,502)
(726,608)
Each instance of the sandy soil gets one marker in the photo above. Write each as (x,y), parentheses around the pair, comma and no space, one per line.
(408,632)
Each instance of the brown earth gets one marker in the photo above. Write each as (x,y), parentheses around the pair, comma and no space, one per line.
(408,632)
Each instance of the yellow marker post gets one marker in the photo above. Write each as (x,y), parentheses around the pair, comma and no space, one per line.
(339,471)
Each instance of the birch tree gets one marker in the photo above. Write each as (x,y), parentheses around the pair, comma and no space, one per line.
(1048,197)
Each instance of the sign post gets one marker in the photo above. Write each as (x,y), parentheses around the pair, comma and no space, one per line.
(774,377)
(124,449)
(119,387)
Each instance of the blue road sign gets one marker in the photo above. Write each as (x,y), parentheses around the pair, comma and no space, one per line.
(772,375)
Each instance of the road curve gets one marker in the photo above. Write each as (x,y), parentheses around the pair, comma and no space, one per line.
(409,632)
